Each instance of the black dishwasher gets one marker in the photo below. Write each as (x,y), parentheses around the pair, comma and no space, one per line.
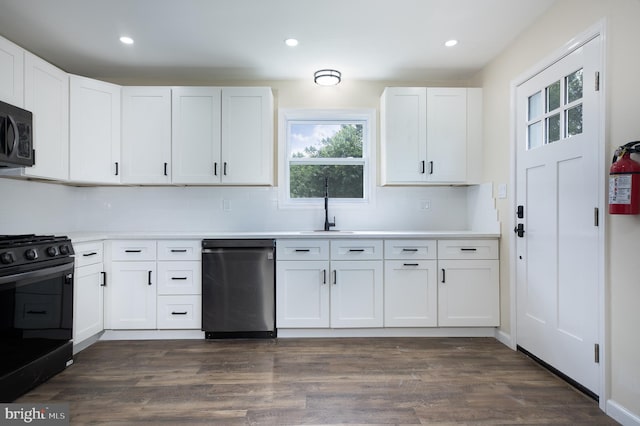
(238,288)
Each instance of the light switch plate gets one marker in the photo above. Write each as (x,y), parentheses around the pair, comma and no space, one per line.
(502,190)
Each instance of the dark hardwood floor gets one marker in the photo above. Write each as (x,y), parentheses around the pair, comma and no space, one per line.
(434,381)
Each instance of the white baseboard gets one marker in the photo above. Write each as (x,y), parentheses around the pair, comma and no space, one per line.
(387,332)
(621,414)
(505,338)
(152,334)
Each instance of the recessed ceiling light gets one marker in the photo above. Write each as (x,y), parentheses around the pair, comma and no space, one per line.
(126,40)
(451,43)
(291,42)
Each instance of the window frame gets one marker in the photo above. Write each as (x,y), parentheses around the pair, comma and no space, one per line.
(366,117)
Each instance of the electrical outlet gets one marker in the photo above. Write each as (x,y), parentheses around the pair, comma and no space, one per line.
(226,205)
(502,190)
(425,204)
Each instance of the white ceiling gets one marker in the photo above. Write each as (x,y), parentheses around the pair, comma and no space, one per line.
(217,40)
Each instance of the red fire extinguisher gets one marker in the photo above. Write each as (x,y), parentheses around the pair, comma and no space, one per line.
(624,181)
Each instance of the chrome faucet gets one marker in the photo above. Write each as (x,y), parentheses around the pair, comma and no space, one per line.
(327,224)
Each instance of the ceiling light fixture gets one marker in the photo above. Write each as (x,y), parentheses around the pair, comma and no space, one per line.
(451,43)
(126,40)
(291,42)
(327,77)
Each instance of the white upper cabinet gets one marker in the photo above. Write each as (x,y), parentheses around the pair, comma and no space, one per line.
(247,136)
(430,135)
(46,93)
(11,73)
(146,135)
(94,144)
(196,135)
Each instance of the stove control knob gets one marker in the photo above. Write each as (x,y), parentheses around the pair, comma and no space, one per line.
(7,258)
(52,251)
(31,254)
(64,250)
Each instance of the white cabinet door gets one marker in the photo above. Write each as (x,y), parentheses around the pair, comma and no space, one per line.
(46,92)
(94,143)
(131,296)
(410,293)
(247,136)
(403,125)
(88,303)
(468,293)
(446,134)
(146,135)
(431,135)
(356,293)
(196,135)
(302,294)
(11,73)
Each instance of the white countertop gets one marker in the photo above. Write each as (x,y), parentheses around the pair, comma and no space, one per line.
(130,235)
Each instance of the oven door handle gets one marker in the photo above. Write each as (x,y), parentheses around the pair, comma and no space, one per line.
(32,275)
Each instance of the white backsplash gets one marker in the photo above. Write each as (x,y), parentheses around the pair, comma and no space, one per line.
(35,207)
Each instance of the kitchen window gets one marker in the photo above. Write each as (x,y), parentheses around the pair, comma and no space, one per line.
(332,144)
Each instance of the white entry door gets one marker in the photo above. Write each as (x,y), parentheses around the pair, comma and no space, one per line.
(557,187)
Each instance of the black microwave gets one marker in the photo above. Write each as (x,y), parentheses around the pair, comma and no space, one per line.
(16,137)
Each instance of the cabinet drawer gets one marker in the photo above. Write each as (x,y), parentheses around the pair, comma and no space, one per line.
(133,250)
(179,277)
(468,249)
(179,312)
(88,253)
(356,249)
(179,250)
(302,250)
(410,249)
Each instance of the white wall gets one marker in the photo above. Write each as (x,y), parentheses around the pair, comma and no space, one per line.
(552,31)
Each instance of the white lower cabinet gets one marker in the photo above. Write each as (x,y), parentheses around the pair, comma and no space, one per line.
(410,293)
(302,294)
(348,283)
(88,291)
(154,285)
(332,293)
(468,287)
(356,293)
(132,296)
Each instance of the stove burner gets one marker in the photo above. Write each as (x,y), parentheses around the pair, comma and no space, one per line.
(29,249)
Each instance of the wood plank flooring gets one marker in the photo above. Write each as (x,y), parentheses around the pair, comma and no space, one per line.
(437,381)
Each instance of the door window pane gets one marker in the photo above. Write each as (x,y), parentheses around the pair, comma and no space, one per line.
(534,135)
(574,86)
(553,96)
(574,120)
(553,128)
(535,106)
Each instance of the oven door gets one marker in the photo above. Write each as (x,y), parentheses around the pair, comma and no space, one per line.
(36,314)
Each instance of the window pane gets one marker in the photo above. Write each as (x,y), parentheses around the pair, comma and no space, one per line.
(574,86)
(535,135)
(553,96)
(574,120)
(345,181)
(535,106)
(319,140)
(553,128)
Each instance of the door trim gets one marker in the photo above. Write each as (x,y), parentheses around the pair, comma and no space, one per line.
(598,29)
